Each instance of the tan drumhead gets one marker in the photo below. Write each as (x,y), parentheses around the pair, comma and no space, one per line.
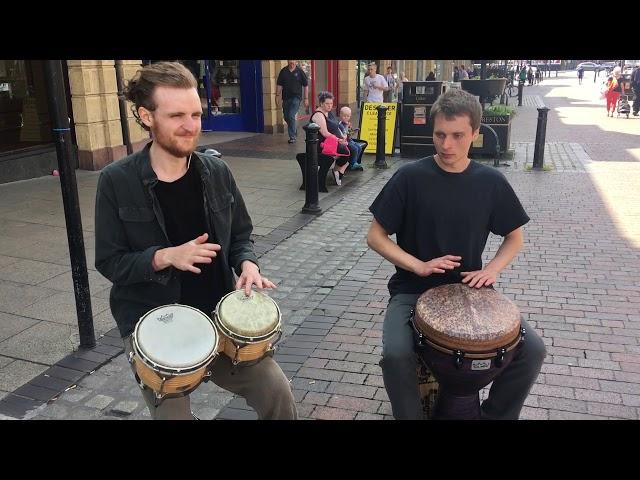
(457,316)
(253,316)
(176,336)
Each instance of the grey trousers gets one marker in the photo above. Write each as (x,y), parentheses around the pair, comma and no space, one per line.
(264,386)
(508,391)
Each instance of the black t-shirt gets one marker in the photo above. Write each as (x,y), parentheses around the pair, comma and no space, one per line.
(435,213)
(292,82)
(183,210)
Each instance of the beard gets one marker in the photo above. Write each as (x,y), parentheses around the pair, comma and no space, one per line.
(176,145)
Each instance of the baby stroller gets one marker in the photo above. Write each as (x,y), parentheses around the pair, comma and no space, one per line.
(623,106)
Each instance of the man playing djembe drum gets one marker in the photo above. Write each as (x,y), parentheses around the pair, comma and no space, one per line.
(170,226)
(441,209)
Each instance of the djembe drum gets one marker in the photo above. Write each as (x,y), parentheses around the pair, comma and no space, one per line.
(466,336)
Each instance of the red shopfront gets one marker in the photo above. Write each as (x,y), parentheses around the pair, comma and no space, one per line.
(323,76)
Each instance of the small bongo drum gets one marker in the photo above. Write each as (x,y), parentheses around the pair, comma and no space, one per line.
(466,337)
(172,347)
(249,327)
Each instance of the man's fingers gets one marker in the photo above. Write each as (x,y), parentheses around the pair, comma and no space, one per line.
(193,269)
(202,238)
(202,260)
(211,246)
(205,253)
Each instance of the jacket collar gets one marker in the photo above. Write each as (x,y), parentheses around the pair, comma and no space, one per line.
(149,177)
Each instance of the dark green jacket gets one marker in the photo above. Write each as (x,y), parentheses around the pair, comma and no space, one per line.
(129,228)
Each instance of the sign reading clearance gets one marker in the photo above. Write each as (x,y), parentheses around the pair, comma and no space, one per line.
(369,126)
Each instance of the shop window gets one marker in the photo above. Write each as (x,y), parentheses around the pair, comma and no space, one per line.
(24,113)
(225,90)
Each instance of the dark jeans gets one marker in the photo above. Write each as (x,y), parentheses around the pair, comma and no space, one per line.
(636,99)
(290,107)
(356,153)
(509,389)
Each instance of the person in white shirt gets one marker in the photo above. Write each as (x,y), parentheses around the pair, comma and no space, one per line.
(374,85)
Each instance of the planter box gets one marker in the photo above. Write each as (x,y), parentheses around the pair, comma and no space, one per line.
(491,87)
(502,126)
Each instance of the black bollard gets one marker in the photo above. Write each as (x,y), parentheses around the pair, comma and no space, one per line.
(380,141)
(520,89)
(311,170)
(541,132)
(66,166)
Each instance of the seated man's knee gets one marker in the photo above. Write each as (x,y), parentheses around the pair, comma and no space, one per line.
(535,348)
(397,358)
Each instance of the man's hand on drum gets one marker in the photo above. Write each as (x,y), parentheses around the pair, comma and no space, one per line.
(438,265)
(185,256)
(251,276)
(479,278)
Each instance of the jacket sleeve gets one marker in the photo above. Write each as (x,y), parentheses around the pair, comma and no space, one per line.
(240,245)
(114,258)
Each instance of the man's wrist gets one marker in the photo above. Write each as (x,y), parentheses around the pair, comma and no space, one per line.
(161,259)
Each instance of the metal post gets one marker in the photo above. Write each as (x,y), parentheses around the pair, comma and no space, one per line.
(62,138)
(541,132)
(380,141)
(311,170)
(126,137)
(520,89)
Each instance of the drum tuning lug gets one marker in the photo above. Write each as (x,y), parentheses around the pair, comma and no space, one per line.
(459,355)
(130,359)
(500,357)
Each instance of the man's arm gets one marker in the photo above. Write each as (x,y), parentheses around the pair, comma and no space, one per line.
(510,247)
(306,96)
(379,241)
(114,258)
(278,94)
(118,263)
(385,85)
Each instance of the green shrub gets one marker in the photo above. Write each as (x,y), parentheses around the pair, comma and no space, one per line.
(499,110)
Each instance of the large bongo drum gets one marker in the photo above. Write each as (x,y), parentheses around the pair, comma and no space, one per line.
(249,327)
(466,337)
(172,347)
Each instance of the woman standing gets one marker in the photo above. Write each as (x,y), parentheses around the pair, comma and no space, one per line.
(613,91)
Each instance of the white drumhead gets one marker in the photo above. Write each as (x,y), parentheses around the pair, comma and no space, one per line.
(176,336)
(252,316)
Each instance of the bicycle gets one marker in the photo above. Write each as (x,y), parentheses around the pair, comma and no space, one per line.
(510,89)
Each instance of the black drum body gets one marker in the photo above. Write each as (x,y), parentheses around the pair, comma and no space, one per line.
(461,377)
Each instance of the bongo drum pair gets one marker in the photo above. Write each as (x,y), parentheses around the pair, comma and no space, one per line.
(466,337)
(174,346)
